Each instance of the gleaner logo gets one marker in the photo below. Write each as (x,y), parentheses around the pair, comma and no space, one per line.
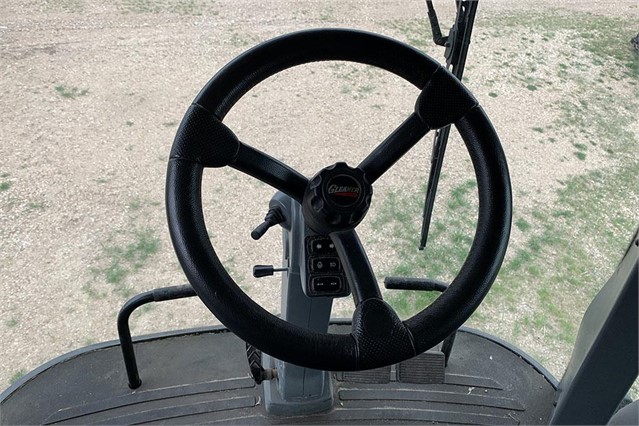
(344,191)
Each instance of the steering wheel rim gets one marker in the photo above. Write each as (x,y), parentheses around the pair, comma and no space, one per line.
(378,337)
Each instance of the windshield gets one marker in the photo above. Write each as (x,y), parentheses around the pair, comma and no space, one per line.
(93,92)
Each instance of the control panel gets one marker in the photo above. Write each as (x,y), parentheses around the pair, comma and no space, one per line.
(324,273)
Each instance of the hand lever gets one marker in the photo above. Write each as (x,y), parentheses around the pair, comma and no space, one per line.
(266,270)
(272,218)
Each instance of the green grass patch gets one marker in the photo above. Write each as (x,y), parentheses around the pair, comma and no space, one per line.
(242,40)
(604,38)
(415,31)
(70,92)
(11,322)
(126,253)
(135,204)
(601,123)
(179,7)
(68,6)
(569,250)
(448,242)
(38,206)
(16,376)
(5,185)
(522,224)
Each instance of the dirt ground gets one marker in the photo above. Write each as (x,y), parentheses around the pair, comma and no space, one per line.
(91,94)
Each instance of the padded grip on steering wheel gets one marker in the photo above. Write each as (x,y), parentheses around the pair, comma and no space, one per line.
(203,139)
(444,100)
(376,328)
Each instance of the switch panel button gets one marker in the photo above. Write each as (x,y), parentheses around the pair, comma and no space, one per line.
(325,264)
(326,284)
(322,246)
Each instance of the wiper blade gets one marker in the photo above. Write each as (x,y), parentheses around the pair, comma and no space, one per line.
(457,44)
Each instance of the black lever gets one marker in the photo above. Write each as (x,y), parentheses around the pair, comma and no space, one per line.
(272,218)
(266,270)
(423,284)
(419,284)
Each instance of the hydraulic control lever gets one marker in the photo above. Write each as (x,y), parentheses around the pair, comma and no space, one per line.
(273,217)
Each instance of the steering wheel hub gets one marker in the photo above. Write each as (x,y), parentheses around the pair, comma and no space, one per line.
(336,199)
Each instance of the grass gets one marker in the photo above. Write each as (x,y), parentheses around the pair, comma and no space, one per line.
(135,204)
(68,6)
(16,376)
(553,261)
(179,7)
(70,92)
(357,79)
(11,322)
(243,40)
(522,224)
(580,155)
(128,255)
(5,184)
(448,242)
(597,35)
(566,250)
(36,206)
(415,32)
(327,14)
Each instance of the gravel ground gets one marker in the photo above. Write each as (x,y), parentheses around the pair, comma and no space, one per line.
(91,96)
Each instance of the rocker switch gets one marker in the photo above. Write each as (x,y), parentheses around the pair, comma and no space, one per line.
(326,284)
(325,264)
(323,246)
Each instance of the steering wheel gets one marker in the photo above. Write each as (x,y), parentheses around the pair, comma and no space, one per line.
(335,201)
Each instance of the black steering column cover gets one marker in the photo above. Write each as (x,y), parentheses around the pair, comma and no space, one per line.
(365,347)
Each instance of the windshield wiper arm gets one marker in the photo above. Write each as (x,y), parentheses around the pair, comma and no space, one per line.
(456,44)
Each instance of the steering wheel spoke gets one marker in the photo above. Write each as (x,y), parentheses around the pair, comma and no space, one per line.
(204,140)
(394,147)
(356,266)
(271,171)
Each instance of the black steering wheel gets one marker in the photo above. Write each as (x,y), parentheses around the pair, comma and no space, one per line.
(335,201)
